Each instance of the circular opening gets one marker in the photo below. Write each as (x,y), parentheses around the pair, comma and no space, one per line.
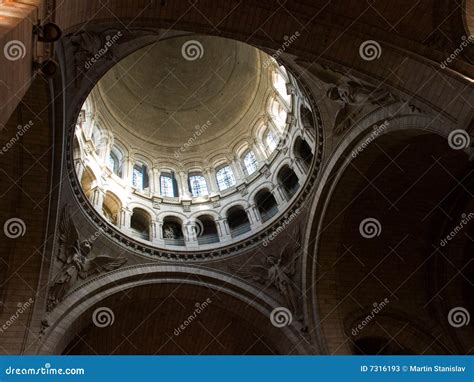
(177,144)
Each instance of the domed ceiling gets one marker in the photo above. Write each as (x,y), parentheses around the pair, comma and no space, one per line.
(159,95)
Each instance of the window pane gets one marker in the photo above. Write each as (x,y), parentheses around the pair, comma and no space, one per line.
(271,141)
(198,185)
(113,162)
(250,162)
(166,185)
(225,178)
(137,178)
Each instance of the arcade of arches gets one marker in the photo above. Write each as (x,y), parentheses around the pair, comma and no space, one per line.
(258,178)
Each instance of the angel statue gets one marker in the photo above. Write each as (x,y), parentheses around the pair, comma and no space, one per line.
(277,272)
(74,255)
(352,95)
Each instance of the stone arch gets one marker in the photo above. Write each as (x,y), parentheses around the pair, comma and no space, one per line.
(400,130)
(75,312)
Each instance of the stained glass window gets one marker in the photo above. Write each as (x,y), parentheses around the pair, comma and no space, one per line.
(225,178)
(166,186)
(250,162)
(198,185)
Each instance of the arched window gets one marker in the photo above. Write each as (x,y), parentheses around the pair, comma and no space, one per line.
(173,231)
(250,163)
(206,230)
(271,141)
(140,224)
(140,176)
(288,181)
(197,185)
(115,161)
(111,208)
(99,139)
(278,114)
(303,152)
(225,178)
(238,221)
(266,204)
(167,185)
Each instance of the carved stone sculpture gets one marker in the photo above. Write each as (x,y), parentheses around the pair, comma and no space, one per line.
(352,95)
(77,261)
(278,272)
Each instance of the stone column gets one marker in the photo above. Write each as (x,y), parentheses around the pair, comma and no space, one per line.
(128,170)
(157,238)
(237,168)
(297,167)
(211,180)
(98,198)
(183,185)
(155,180)
(223,229)
(277,193)
(125,218)
(190,238)
(258,152)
